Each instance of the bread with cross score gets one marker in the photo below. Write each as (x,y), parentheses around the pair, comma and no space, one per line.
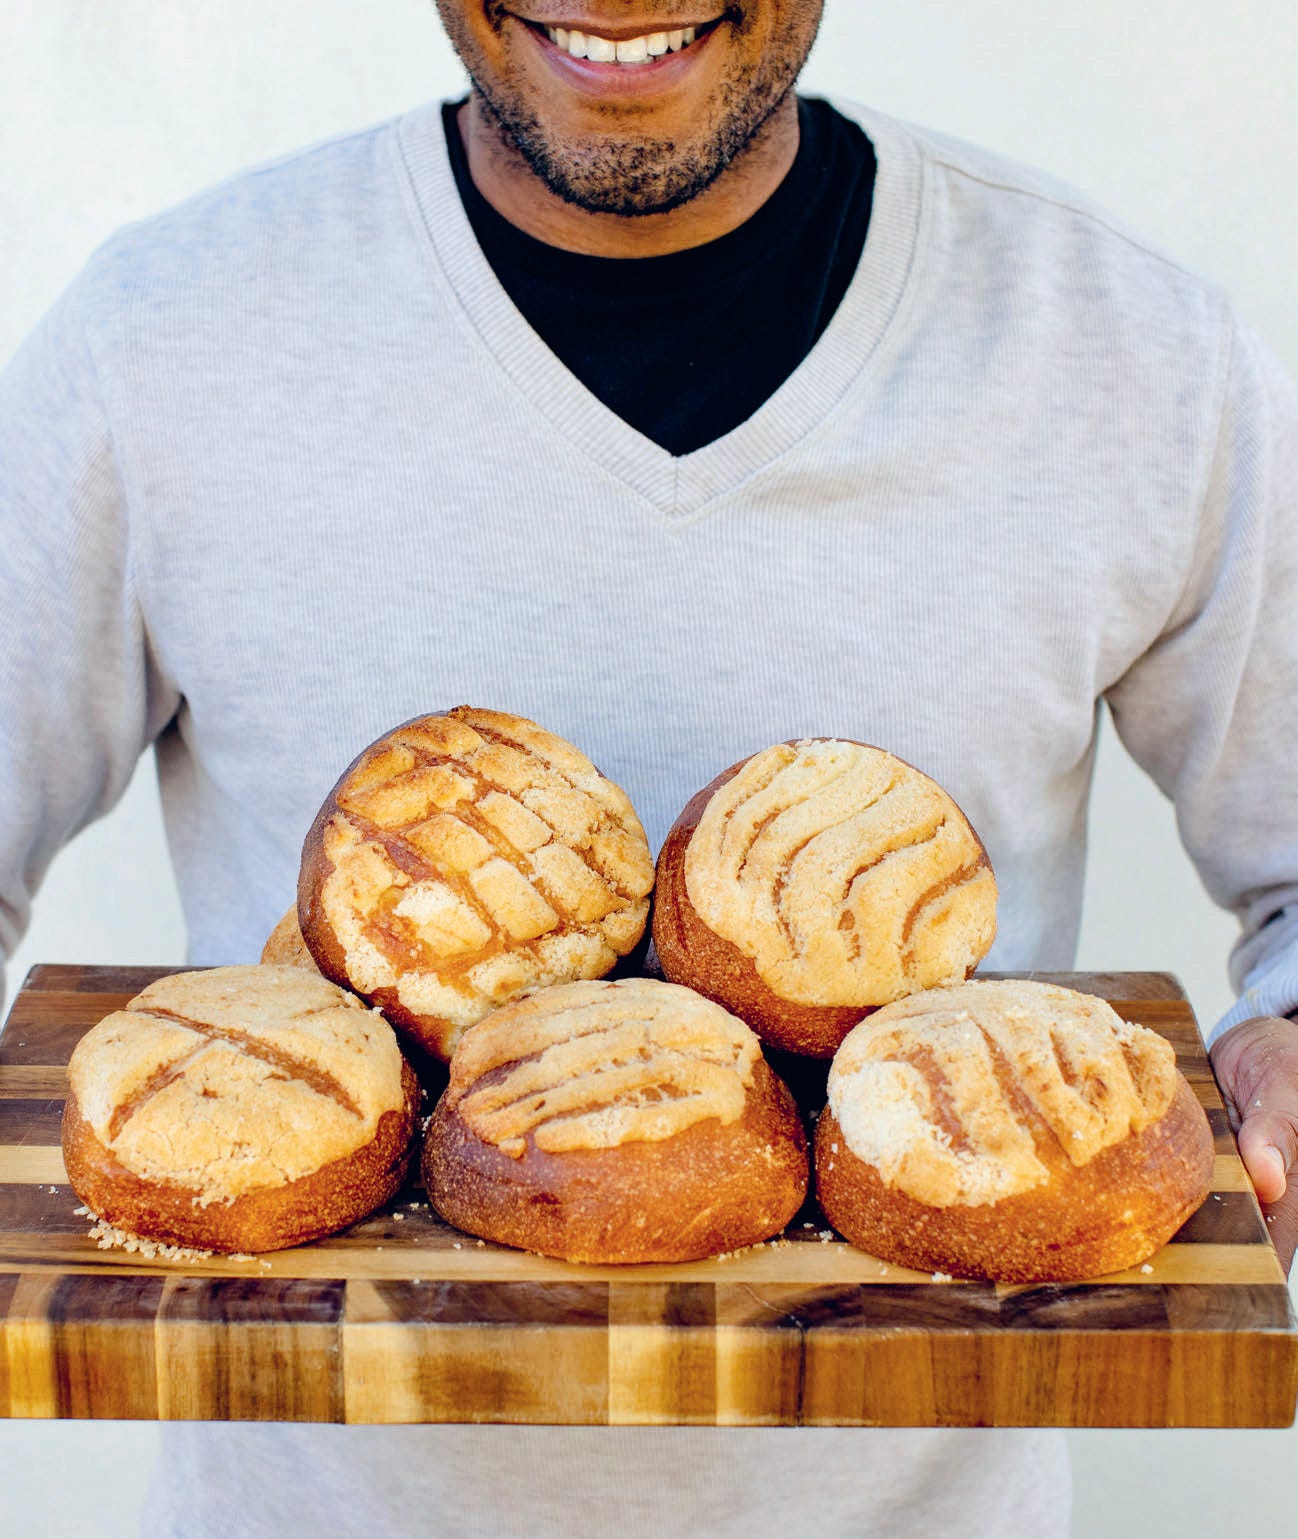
(238,1109)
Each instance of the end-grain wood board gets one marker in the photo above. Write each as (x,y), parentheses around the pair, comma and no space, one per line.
(404,1319)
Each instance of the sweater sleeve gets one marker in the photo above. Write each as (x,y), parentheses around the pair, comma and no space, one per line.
(80,695)
(1211,710)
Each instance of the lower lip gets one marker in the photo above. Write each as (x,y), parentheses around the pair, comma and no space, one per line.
(622,80)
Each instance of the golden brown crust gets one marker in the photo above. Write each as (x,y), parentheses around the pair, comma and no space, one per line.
(630,1187)
(949,1092)
(285,947)
(234,1079)
(331,1197)
(463,859)
(692,953)
(1086,1221)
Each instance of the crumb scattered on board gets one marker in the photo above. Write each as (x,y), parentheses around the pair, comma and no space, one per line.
(108,1237)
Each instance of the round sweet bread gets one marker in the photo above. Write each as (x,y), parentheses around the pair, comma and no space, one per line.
(1009,1130)
(816,881)
(284,945)
(238,1109)
(465,859)
(615,1122)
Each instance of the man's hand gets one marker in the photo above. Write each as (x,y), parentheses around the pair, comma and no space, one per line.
(1256,1064)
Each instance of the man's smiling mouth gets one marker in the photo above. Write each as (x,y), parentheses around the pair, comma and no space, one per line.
(643,49)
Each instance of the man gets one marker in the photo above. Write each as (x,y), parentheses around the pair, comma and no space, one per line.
(639,398)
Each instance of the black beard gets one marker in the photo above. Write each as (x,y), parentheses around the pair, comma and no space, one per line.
(632,179)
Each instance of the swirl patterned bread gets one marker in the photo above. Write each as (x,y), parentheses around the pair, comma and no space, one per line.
(816,881)
(465,859)
(238,1109)
(1009,1130)
(615,1122)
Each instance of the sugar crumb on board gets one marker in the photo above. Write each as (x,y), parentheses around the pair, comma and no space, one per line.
(743,1250)
(107,1237)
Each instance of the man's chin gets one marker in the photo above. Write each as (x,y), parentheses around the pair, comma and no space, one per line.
(628,185)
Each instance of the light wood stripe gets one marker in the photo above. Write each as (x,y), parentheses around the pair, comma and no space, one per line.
(804,1265)
(32,1164)
(1229,1175)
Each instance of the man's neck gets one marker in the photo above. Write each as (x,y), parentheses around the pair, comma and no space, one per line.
(514,190)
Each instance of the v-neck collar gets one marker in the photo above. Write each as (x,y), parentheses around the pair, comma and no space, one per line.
(677,486)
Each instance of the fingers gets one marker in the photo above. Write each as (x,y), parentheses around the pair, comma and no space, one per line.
(1268,1143)
(1256,1064)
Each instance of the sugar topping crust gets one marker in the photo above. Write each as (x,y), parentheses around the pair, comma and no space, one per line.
(235,1079)
(965,1094)
(595,1065)
(476,856)
(846,876)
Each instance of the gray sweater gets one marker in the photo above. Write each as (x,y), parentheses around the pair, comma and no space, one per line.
(286,467)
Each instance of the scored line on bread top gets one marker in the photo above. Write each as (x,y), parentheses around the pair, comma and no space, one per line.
(846,876)
(468,857)
(592,1066)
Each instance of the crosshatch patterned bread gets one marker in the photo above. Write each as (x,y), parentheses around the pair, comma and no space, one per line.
(465,859)
(1009,1130)
(814,882)
(238,1109)
(615,1122)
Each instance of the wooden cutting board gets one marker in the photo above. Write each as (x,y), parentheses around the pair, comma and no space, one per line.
(404,1319)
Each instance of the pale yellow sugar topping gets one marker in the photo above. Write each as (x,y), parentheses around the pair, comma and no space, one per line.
(596,1065)
(920,1087)
(244,1078)
(506,864)
(847,877)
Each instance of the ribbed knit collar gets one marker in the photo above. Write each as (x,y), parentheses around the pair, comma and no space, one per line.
(676,487)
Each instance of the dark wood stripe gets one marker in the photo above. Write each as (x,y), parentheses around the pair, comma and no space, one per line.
(1243,1307)
(28,1208)
(254,1300)
(1086,1307)
(82,978)
(30,1122)
(503,1304)
(1226,1218)
(1223,1140)
(38,1036)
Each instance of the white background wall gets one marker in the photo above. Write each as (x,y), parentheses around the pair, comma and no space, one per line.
(1181,115)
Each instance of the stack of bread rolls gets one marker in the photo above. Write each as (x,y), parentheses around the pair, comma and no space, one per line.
(473,877)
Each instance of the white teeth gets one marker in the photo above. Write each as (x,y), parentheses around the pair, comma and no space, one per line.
(635,50)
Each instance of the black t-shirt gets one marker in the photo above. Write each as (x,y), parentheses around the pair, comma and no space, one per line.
(687,346)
